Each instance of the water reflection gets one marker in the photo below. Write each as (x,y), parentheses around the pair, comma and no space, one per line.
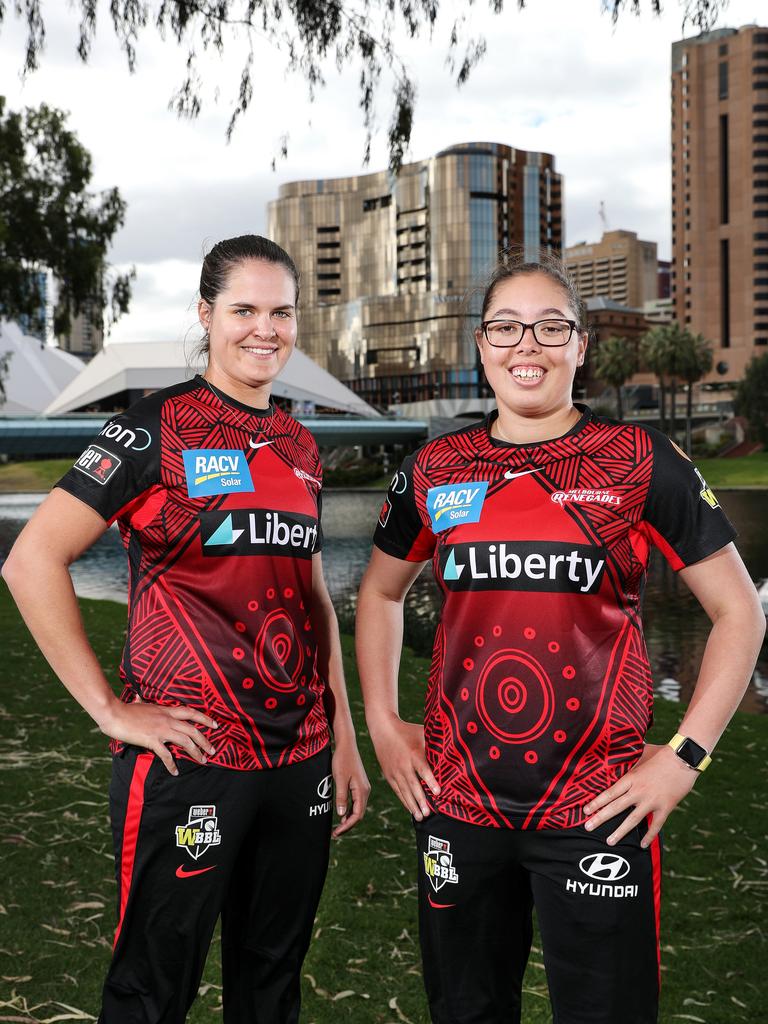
(676,627)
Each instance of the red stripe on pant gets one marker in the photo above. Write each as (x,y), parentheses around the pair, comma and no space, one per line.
(655,850)
(131,832)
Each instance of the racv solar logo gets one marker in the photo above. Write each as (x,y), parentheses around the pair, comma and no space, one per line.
(456,504)
(523,565)
(216,471)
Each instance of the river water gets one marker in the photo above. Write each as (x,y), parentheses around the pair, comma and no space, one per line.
(676,628)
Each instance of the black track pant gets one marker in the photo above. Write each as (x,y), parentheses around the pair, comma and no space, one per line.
(597,908)
(249,846)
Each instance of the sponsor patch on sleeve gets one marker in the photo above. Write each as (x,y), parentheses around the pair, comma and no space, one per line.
(706,493)
(216,471)
(386,508)
(97,463)
(456,504)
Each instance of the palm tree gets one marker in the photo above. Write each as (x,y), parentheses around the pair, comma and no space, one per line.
(615,361)
(697,353)
(655,354)
(664,352)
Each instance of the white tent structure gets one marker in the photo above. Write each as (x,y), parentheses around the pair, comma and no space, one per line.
(37,373)
(150,365)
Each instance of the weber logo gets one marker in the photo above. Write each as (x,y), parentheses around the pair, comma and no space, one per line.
(527,565)
(97,463)
(258,532)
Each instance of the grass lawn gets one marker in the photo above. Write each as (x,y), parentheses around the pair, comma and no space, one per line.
(746,471)
(36,475)
(57,891)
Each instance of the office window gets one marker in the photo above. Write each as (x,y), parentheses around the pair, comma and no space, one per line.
(722,80)
(725,294)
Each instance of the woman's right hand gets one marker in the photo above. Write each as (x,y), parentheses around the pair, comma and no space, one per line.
(399,748)
(153,725)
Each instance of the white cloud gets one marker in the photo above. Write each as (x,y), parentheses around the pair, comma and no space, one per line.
(557,76)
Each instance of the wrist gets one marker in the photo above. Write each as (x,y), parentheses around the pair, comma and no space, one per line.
(380,719)
(106,714)
(343,733)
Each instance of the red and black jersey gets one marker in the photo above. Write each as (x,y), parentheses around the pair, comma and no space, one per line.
(540,690)
(218,506)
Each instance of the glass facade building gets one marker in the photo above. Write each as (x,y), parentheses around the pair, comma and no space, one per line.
(390,265)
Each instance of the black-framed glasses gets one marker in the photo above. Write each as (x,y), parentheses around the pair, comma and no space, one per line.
(508,333)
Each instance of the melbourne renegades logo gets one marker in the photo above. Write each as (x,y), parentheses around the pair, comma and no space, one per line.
(200,832)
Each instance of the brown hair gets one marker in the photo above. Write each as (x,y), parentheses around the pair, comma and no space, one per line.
(512,263)
(230,253)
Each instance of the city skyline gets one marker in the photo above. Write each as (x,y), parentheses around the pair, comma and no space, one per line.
(595,96)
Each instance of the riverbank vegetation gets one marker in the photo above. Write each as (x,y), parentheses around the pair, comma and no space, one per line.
(57,893)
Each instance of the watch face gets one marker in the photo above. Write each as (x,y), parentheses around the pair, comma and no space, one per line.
(691,752)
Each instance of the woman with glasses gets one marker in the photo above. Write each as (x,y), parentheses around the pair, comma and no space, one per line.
(223,774)
(530,783)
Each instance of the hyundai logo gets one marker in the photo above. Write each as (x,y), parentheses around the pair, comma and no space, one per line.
(604,867)
(325,789)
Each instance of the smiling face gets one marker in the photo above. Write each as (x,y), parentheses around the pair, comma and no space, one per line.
(251,328)
(531,380)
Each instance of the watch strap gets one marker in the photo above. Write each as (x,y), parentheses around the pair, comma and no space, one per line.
(677,742)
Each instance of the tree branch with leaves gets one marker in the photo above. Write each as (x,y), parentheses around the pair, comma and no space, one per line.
(311,34)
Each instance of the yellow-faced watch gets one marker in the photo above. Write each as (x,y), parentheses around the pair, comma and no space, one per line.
(691,752)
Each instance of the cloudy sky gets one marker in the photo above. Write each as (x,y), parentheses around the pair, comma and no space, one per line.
(557,76)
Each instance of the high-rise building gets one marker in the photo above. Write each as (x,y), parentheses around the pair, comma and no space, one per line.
(720,192)
(86,335)
(388,263)
(620,267)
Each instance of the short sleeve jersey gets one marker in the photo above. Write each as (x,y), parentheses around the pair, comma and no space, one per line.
(218,506)
(540,690)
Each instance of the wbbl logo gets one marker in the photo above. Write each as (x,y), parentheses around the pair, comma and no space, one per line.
(216,471)
(438,863)
(200,832)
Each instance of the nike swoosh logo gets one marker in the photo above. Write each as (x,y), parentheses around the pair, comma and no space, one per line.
(513,476)
(439,906)
(181,873)
(258,444)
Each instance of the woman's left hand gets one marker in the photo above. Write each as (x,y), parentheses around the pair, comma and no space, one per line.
(351,785)
(653,788)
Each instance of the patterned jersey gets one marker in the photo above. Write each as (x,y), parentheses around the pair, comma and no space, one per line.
(540,690)
(218,506)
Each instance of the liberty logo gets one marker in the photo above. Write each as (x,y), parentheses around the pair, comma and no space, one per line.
(200,832)
(523,565)
(224,534)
